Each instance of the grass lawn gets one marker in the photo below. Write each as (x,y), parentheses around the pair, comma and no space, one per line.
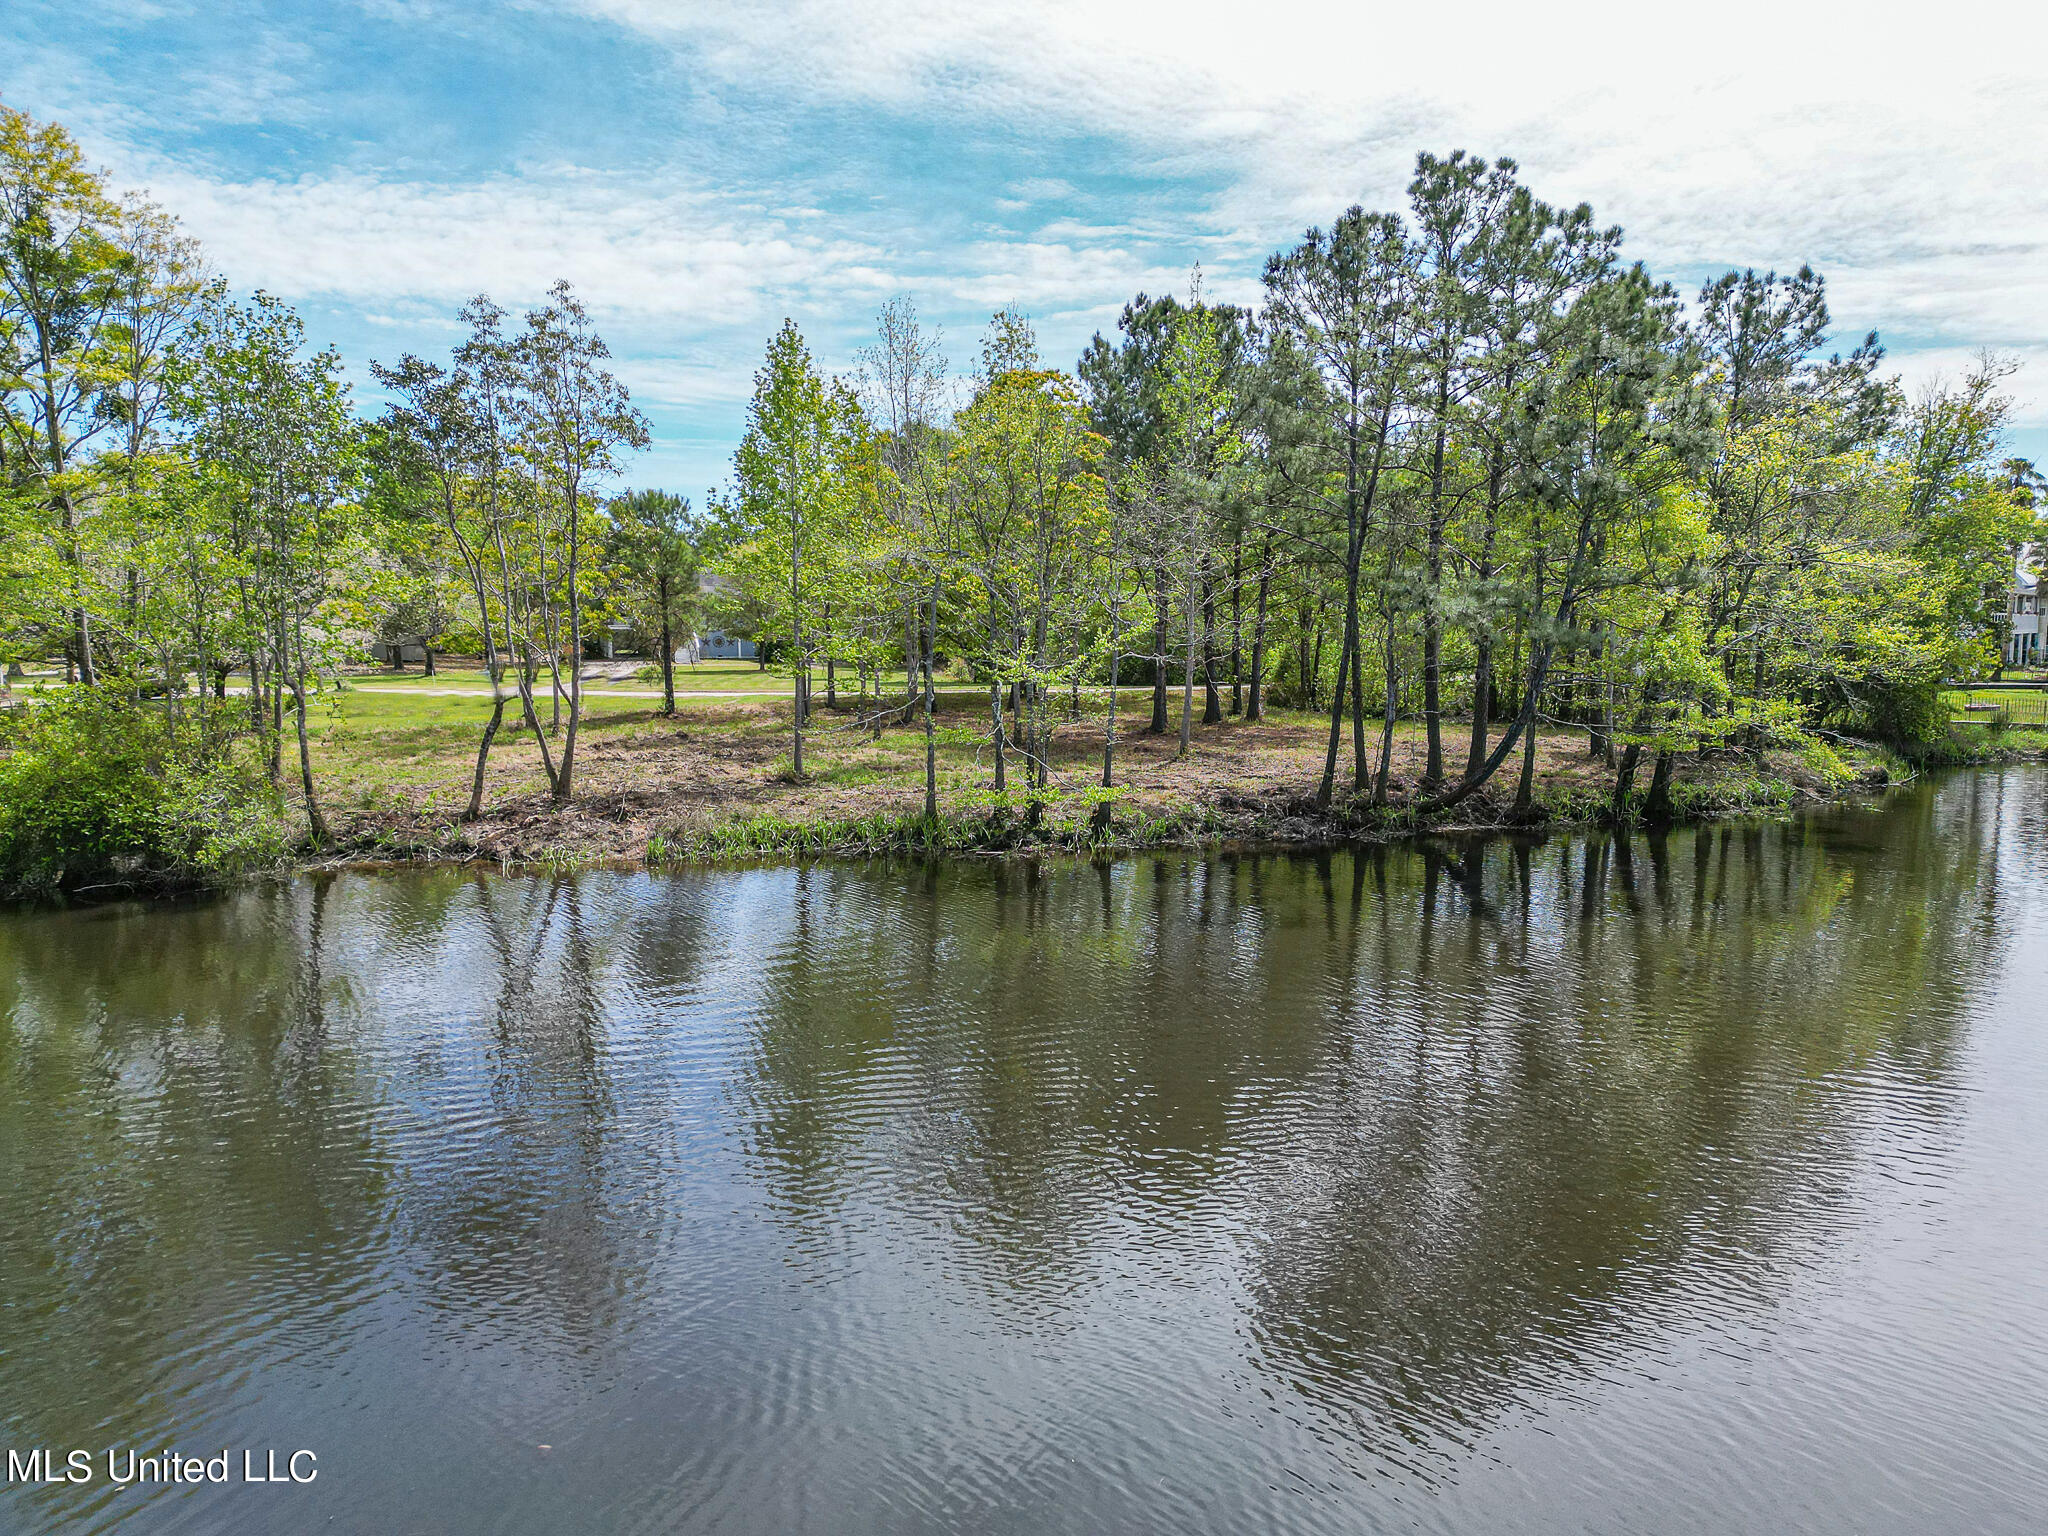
(1980,706)
(394,769)
(634,676)
(394,753)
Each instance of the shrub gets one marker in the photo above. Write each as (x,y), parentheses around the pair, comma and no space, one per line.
(97,791)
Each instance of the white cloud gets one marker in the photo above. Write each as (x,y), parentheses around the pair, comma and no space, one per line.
(1899,151)
(676,253)
(1932,367)
(686,383)
(1902,153)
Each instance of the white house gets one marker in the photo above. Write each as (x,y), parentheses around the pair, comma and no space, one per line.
(2024,646)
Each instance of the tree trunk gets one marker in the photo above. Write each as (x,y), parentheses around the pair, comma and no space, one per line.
(565,774)
(1482,666)
(1625,779)
(800,716)
(1212,704)
(1525,721)
(1657,805)
(801,667)
(525,666)
(995,706)
(1348,662)
(1158,726)
(1237,623)
(277,688)
(910,658)
(1482,703)
(316,824)
(1607,707)
(483,753)
(931,750)
(668,652)
(1358,769)
(1525,790)
(1255,706)
(1099,820)
(1327,787)
(1432,618)
(81,625)
(1392,710)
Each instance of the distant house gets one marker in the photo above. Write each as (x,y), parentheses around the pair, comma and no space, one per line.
(614,635)
(2024,639)
(717,645)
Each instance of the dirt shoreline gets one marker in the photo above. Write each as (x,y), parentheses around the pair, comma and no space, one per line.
(1228,829)
(1250,788)
(711,785)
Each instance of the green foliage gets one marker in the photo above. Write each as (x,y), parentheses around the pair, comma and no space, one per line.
(799,528)
(96,791)
(1461,452)
(651,552)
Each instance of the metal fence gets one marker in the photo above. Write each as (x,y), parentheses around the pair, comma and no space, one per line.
(2002,706)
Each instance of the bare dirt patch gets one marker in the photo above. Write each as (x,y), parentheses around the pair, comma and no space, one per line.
(641,774)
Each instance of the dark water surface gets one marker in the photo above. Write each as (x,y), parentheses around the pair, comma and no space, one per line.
(1689,1184)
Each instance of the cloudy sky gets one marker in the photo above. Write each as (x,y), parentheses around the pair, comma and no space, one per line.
(700,169)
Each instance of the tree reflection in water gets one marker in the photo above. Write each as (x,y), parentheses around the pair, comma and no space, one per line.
(1468,1118)
(917,1193)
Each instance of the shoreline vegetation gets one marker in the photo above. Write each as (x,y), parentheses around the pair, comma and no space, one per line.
(1452,516)
(710,785)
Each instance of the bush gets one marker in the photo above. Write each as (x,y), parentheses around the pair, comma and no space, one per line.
(96,791)
(1909,710)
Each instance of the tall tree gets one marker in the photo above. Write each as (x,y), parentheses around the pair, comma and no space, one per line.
(1458,203)
(1032,532)
(1348,297)
(1202,445)
(61,269)
(903,377)
(804,497)
(574,420)
(271,423)
(651,552)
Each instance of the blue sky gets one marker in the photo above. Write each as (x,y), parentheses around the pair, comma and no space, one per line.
(700,170)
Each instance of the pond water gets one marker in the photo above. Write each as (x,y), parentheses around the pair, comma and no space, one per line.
(1692,1183)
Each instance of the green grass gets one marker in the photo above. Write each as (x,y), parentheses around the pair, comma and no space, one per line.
(714,781)
(766,834)
(2000,707)
(736,677)
(412,747)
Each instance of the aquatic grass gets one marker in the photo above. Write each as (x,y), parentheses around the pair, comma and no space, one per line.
(1732,794)
(984,822)
(1961,748)
(562,861)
